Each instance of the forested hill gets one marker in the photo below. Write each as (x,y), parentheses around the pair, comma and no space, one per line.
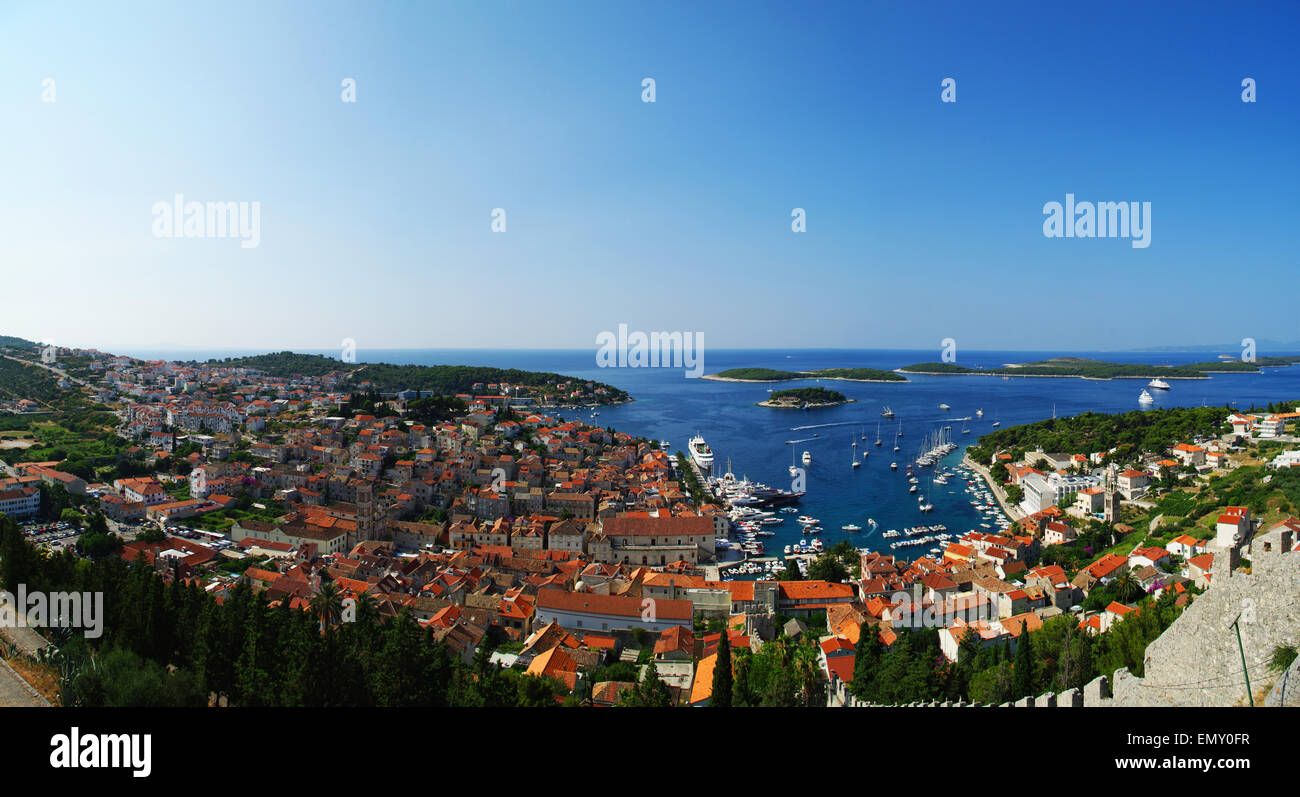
(439,379)
(9,342)
(452,379)
(285,364)
(1146,430)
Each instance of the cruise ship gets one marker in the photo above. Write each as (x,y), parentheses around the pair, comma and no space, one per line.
(701,453)
(1158,384)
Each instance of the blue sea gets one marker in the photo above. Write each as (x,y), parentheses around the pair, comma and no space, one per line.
(669,406)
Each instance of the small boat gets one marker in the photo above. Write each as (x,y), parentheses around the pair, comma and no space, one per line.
(944,407)
(807,458)
(893,466)
(887,412)
(851,527)
(979,413)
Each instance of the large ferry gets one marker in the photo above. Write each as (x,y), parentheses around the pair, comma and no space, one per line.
(701,453)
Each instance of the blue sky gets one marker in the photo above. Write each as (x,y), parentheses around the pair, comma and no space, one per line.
(924,219)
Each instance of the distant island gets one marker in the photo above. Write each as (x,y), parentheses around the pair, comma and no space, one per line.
(797,398)
(773,375)
(1097,369)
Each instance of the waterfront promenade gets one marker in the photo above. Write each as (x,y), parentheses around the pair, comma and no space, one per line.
(1012,511)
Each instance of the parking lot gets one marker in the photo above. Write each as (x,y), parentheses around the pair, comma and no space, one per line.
(53,534)
(61,534)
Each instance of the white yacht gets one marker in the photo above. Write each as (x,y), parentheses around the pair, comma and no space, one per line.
(1158,384)
(807,458)
(944,407)
(1145,398)
(701,453)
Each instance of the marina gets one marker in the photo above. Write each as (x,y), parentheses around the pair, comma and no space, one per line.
(760,543)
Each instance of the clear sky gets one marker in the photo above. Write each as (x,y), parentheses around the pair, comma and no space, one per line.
(924,219)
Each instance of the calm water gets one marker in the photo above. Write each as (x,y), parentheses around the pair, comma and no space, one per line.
(671,407)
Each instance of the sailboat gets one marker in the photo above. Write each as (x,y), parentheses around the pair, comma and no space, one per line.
(794,469)
(856,464)
(877,432)
(996,422)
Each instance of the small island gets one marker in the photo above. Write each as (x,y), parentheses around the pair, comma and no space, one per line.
(801,397)
(773,375)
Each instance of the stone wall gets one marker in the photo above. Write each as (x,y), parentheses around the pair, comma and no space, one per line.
(1096,694)
(1197,662)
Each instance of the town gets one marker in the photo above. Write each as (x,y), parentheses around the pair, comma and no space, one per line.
(588,560)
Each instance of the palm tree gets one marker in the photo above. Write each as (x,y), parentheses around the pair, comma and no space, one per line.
(1127,587)
(327,605)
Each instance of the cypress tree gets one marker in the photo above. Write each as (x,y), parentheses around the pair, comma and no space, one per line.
(722,674)
(1022,680)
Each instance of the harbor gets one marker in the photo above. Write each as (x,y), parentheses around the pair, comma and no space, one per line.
(768,531)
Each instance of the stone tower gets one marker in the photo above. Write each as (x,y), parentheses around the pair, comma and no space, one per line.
(365,514)
(1110,506)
